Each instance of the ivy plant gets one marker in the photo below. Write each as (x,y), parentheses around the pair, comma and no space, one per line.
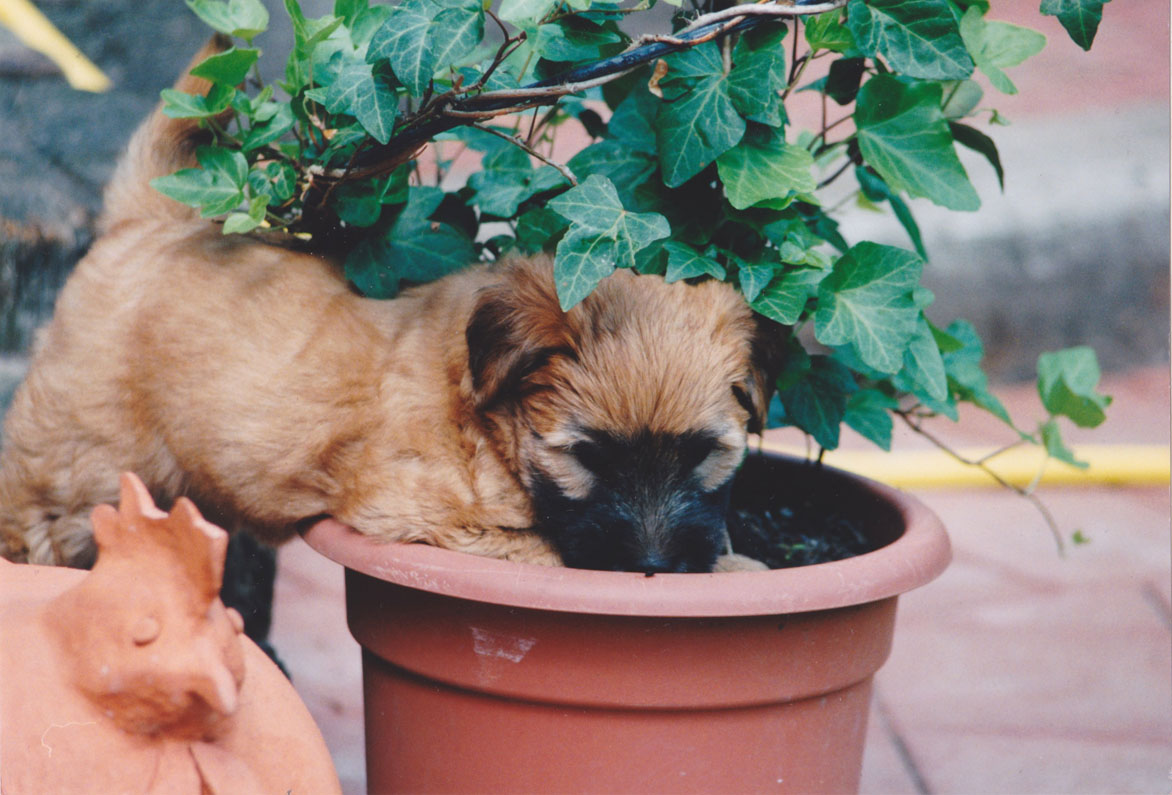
(688,166)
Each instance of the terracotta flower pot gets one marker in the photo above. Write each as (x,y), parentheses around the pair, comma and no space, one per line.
(487,676)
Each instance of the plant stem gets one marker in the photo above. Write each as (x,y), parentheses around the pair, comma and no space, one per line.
(1026,492)
(516,141)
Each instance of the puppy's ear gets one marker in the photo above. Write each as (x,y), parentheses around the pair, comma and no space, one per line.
(767,353)
(515,329)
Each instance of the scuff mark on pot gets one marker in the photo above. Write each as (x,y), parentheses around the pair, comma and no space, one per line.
(487,643)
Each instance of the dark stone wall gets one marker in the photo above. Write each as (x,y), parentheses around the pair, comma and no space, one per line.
(58,146)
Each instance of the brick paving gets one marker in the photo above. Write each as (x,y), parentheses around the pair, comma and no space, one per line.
(1020,671)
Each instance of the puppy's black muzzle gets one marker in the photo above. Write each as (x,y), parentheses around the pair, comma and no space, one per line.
(646,511)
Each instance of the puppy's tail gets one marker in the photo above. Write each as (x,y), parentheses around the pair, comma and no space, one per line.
(160,146)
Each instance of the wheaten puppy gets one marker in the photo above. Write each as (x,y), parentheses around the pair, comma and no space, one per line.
(471,413)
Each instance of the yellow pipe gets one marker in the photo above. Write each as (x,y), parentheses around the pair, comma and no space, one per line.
(1110,465)
(31,27)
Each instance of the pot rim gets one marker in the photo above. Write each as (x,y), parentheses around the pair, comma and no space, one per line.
(918,556)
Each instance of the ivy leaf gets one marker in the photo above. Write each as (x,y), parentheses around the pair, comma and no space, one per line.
(367,96)
(365,24)
(594,207)
(1080,18)
(244,19)
(625,167)
(582,261)
(603,235)
(501,188)
(216,187)
(239,223)
(785,298)
(228,68)
(229,163)
(868,412)
(537,227)
(405,42)
(1067,382)
(917,38)
(797,244)
(963,98)
(419,37)
(212,192)
(904,136)
(700,123)
(307,34)
(633,121)
(178,105)
(264,134)
(358,204)
(350,10)
(455,32)
(414,249)
(923,364)
(758,76)
(575,39)
(753,277)
(844,78)
(685,262)
(763,167)
(525,14)
(997,45)
(274,179)
(505,180)
(876,190)
(866,302)
(826,32)
(1056,447)
(966,378)
(817,402)
(981,144)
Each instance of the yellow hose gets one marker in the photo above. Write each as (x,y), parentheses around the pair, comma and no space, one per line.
(1110,465)
(31,27)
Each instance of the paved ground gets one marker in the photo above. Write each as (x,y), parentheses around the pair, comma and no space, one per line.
(1021,671)
(1018,671)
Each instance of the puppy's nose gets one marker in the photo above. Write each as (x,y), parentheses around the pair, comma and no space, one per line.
(653,564)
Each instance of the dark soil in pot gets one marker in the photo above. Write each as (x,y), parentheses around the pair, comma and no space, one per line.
(785,519)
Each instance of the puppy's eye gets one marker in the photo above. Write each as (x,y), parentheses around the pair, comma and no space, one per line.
(742,397)
(592,456)
(694,450)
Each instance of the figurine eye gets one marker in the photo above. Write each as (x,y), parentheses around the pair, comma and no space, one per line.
(146,630)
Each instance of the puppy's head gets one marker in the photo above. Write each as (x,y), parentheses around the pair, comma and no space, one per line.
(625,417)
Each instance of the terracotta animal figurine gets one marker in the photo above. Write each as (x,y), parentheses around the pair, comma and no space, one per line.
(134,677)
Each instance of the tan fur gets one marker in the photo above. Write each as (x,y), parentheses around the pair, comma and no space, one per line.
(251,378)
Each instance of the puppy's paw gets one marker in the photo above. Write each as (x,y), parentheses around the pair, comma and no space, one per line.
(735,562)
(538,558)
(531,549)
